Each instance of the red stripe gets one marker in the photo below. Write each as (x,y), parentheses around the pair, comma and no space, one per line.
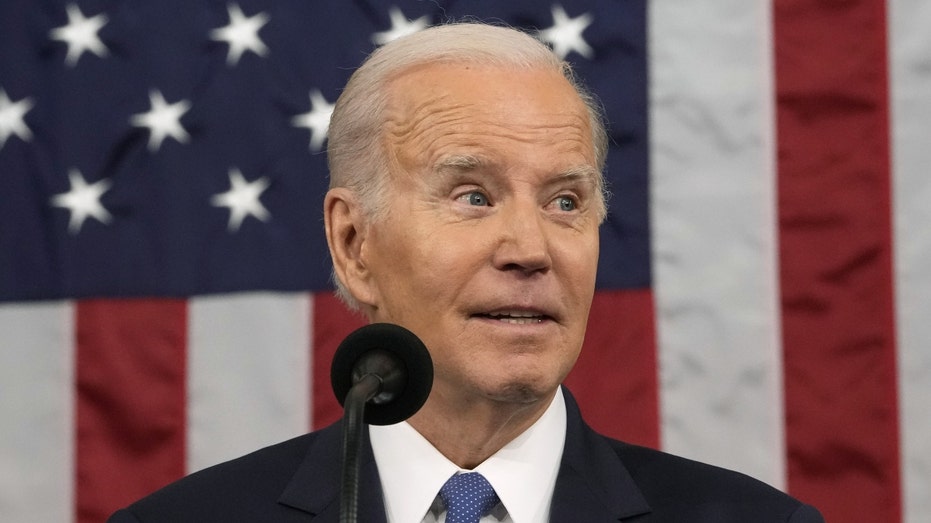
(332,322)
(615,379)
(836,257)
(130,401)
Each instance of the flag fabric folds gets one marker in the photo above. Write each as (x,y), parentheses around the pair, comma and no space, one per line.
(165,301)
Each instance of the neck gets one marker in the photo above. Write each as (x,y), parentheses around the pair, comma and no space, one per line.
(470,430)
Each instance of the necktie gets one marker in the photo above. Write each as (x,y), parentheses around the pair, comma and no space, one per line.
(467,496)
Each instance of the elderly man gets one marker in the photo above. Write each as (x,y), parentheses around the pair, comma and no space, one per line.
(465,201)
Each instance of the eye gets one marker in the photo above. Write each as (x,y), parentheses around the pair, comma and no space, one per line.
(565,203)
(475,198)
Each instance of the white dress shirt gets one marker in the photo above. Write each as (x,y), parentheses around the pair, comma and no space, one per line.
(523,473)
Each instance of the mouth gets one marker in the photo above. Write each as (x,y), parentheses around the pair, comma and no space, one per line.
(515,317)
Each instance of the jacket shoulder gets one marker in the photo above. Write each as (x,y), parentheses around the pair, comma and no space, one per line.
(675,485)
(245,486)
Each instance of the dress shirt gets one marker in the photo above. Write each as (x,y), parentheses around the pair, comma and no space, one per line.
(523,472)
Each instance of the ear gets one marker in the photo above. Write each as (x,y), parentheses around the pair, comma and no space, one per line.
(346,228)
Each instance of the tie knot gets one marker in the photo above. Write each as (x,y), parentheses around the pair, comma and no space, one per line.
(467,497)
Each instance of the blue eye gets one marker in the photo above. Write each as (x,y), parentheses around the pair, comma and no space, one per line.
(476,198)
(565,203)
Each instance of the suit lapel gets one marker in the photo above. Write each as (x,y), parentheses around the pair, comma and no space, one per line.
(593,484)
(315,487)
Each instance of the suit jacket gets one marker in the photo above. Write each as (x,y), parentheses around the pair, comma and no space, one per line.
(599,480)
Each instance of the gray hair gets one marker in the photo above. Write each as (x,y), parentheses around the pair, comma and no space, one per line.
(354,151)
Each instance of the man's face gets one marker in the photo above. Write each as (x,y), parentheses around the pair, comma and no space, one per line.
(489,247)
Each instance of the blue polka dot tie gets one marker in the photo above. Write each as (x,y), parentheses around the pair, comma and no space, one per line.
(467,496)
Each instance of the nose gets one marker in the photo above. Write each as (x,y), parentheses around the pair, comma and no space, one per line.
(523,244)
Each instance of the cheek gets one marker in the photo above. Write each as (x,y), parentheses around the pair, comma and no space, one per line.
(579,262)
(450,250)
(414,264)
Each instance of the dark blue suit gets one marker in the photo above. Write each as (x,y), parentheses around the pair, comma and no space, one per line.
(599,480)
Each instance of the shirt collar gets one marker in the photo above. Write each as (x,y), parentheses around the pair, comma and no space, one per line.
(523,472)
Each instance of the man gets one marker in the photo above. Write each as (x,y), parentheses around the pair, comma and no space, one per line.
(465,201)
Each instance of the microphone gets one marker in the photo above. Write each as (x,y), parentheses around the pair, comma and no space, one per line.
(381,374)
(398,361)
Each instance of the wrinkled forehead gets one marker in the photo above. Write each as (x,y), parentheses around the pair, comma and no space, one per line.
(485,86)
(434,107)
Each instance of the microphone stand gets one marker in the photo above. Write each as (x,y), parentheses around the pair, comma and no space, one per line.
(372,365)
(354,410)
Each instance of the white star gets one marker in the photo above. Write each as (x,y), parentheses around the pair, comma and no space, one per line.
(242,34)
(163,120)
(80,34)
(242,199)
(11,118)
(317,119)
(83,201)
(400,26)
(566,34)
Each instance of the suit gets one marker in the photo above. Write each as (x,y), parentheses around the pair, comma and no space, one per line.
(600,479)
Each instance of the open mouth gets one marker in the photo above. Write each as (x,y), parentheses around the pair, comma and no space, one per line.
(515,317)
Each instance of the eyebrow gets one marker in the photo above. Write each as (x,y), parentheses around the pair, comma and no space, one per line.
(460,162)
(580,172)
(469,162)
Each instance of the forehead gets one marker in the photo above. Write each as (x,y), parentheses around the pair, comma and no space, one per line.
(445,109)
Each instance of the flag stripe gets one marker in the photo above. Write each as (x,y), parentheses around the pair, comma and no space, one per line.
(911,95)
(712,202)
(37,412)
(248,379)
(620,351)
(836,258)
(332,323)
(130,417)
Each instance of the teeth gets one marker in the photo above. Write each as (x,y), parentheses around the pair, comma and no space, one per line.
(517,317)
(514,314)
(520,321)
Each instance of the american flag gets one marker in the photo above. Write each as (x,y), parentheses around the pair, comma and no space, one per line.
(763,290)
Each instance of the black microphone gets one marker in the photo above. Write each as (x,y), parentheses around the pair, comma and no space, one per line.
(381,374)
(397,359)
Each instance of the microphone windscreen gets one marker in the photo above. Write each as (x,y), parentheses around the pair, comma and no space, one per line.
(410,353)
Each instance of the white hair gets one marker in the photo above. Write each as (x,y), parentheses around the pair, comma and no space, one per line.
(354,148)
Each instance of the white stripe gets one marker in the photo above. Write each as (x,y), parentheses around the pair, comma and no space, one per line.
(37,412)
(248,374)
(910,49)
(713,234)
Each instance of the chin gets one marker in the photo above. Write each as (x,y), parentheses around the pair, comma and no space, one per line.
(523,391)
